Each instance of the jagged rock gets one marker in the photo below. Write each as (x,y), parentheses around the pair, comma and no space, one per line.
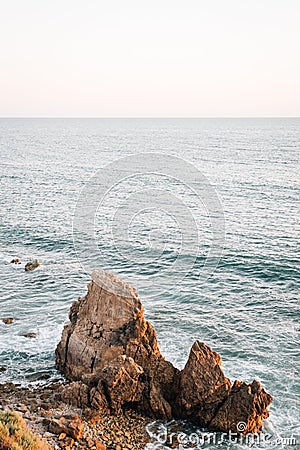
(203,385)
(31,265)
(104,326)
(243,410)
(110,353)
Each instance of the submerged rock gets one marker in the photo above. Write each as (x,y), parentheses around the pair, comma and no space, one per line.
(32,265)
(110,353)
(29,335)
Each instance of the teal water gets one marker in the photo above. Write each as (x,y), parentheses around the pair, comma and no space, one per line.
(248,310)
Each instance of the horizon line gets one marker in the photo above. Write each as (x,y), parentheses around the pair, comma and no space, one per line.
(149,117)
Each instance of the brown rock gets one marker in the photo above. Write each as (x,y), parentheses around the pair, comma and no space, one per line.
(203,385)
(72,427)
(15,261)
(76,394)
(117,322)
(7,320)
(32,265)
(110,352)
(100,446)
(98,399)
(89,350)
(22,408)
(122,382)
(244,409)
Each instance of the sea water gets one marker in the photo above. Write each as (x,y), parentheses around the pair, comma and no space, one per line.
(246,308)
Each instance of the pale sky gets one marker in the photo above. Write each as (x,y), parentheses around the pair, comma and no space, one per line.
(158,58)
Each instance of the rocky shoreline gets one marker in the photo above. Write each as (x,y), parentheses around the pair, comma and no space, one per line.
(63,426)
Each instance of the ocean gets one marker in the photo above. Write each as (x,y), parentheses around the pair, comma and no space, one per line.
(211,242)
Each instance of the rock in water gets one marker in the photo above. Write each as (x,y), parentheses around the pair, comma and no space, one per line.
(15,261)
(244,409)
(110,353)
(109,346)
(203,385)
(29,335)
(31,265)
(7,320)
(207,398)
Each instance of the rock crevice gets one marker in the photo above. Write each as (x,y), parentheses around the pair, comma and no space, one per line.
(110,354)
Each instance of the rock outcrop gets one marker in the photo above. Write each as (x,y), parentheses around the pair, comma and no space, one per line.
(110,354)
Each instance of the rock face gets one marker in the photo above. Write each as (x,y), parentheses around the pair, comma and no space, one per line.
(110,353)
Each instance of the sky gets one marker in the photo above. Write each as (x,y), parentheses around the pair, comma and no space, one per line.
(116,58)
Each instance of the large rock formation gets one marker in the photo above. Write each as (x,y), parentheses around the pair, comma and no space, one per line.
(110,353)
